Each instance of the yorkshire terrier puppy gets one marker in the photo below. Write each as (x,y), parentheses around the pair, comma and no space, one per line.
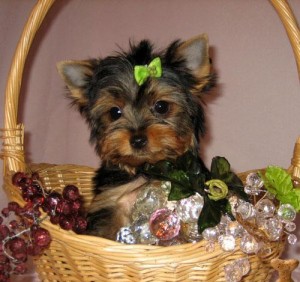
(142,106)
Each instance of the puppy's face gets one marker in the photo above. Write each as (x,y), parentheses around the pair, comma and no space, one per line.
(130,123)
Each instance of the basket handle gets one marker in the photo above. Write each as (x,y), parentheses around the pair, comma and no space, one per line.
(291,26)
(13,133)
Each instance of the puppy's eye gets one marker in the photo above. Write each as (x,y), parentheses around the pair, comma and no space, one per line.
(115,113)
(161,107)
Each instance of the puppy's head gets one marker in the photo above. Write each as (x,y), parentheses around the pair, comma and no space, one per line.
(137,118)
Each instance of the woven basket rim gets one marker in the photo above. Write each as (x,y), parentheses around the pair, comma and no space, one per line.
(14,160)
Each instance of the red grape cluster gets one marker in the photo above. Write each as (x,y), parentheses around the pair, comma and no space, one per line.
(20,233)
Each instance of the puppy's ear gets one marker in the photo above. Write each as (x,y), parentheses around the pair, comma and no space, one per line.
(195,53)
(77,76)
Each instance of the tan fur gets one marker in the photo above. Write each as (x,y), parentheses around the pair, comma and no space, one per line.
(162,143)
(203,70)
(75,89)
(121,199)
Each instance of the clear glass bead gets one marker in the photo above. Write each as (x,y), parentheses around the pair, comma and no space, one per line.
(125,236)
(211,234)
(292,239)
(189,209)
(142,233)
(273,227)
(265,208)
(150,198)
(286,212)
(235,229)
(244,265)
(210,247)
(290,227)
(252,190)
(246,210)
(249,244)
(232,273)
(227,242)
(254,180)
(189,231)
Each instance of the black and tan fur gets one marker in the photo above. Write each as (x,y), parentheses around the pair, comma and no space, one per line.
(132,125)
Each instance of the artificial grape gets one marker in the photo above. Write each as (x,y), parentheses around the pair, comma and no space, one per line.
(20,268)
(41,237)
(4,231)
(4,259)
(38,200)
(4,277)
(17,245)
(13,206)
(64,207)
(54,219)
(34,250)
(35,176)
(13,224)
(51,202)
(66,222)
(20,257)
(71,193)
(5,267)
(80,225)
(1,219)
(5,212)
(76,206)
(30,192)
(19,178)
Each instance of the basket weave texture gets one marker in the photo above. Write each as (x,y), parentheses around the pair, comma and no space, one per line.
(74,257)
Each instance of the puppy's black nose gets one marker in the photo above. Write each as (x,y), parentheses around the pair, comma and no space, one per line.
(138,141)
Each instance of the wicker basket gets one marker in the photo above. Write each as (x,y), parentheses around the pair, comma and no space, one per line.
(80,258)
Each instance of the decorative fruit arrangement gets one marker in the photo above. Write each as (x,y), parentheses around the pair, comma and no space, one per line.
(20,232)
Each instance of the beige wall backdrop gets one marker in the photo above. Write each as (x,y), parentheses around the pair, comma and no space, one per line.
(253,114)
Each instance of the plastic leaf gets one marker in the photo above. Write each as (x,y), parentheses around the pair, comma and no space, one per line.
(279,183)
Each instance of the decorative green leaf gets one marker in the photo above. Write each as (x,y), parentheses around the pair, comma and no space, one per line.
(279,180)
(220,169)
(279,183)
(210,216)
(180,186)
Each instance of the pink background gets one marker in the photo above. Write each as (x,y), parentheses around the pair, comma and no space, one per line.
(253,114)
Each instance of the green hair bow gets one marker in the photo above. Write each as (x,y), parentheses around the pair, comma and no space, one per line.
(141,73)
